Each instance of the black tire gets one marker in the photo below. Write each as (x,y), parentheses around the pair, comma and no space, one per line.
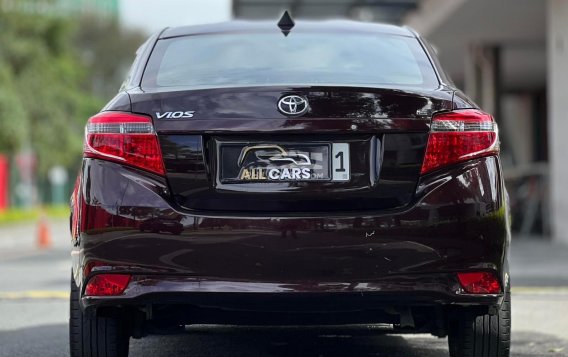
(474,335)
(96,336)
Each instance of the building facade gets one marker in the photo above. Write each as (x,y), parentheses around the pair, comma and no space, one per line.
(511,56)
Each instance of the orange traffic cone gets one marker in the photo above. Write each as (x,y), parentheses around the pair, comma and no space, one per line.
(43,234)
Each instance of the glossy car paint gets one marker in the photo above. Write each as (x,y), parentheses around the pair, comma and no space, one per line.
(380,123)
(389,237)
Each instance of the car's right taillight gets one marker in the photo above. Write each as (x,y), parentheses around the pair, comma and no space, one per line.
(126,138)
(458,136)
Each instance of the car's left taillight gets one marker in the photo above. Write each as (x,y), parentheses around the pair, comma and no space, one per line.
(126,138)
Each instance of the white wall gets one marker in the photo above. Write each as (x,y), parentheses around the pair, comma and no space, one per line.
(557,48)
(154,15)
(516,123)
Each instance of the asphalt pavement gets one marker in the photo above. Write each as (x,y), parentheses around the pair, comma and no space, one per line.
(34,311)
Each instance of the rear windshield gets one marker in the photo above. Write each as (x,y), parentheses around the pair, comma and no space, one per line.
(249,59)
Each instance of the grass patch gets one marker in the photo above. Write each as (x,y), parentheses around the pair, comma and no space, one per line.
(61,211)
(19,215)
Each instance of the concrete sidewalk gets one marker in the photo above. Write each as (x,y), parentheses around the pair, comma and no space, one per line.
(539,263)
(22,237)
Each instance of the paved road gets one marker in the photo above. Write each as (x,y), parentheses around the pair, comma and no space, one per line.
(33,312)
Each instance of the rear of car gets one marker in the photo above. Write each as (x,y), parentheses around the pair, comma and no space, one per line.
(331,176)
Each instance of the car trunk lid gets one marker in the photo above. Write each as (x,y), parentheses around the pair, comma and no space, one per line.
(232,149)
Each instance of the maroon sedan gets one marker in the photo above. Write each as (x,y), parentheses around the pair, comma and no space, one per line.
(323,173)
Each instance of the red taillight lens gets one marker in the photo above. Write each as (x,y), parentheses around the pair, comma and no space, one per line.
(107,285)
(126,138)
(459,136)
(479,283)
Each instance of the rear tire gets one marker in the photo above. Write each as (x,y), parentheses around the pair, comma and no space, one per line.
(485,335)
(94,336)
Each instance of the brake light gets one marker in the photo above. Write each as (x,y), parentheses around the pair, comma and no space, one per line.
(479,282)
(459,136)
(125,138)
(107,284)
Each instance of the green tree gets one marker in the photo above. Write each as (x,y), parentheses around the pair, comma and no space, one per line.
(55,72)
(108,50)
(13,116)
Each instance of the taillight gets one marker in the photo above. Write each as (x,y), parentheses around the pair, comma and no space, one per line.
(459,136)
(107,284)
(125,138)
(479,283)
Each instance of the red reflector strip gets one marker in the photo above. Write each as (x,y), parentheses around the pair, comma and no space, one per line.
(452,147)
(107,284)
(479,283)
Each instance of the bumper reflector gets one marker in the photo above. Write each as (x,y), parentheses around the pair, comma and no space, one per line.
(479,282)
(107,285)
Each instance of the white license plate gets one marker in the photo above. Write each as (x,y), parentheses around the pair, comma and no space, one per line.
(284,162)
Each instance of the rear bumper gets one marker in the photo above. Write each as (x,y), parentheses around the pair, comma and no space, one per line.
(393,291)
(184,301)
(457,222)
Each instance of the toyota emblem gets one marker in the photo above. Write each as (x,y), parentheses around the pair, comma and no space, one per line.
(293,105)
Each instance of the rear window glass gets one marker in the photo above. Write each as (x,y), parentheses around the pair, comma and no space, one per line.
(248,59)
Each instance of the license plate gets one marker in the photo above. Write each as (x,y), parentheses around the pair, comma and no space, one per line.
(284,162)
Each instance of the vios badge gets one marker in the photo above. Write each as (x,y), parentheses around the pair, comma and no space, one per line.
(293,105)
